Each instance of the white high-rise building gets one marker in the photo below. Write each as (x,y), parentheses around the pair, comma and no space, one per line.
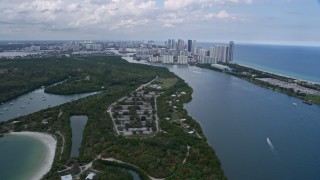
(180,45)
(231,49)
(167,59)
(182,59)
(154,59)
(169,44)
(173,45)
(184,53)
(162,51)
(220,53)
(202,52)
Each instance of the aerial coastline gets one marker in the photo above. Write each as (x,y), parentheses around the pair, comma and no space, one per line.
(307,91)
(181,128)
(178,117)
(50,143)
(279,74)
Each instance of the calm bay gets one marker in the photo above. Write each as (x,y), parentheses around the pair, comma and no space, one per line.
(239,118)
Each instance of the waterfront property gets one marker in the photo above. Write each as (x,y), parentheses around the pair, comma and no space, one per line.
(292,85)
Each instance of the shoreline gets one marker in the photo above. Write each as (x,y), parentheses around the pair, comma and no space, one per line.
(313,97)
(51,144)
(278,74)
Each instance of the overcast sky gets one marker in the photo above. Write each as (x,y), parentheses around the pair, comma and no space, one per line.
(268,21)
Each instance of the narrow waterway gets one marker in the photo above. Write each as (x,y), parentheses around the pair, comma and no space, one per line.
(33,102)
(256,132)
(78,124)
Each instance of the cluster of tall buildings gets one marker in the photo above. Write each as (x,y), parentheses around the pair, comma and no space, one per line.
(222,53)
(180,45)
(179,52)
(33,48)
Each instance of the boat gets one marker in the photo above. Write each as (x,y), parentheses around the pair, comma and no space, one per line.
(11,104)
(49,105)
(294,104)
(309,102)
(23,106)
(5,109)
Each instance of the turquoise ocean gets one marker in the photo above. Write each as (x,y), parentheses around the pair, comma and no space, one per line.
(300,62)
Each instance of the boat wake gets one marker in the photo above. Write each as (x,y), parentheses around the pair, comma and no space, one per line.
(270,145)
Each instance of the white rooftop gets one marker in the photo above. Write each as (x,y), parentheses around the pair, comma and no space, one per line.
(90,176)
(66,177)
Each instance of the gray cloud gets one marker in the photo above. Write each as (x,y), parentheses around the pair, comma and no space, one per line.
(137,19)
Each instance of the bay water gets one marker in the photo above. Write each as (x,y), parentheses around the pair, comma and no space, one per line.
(257,133)
(34,101)
(20,157)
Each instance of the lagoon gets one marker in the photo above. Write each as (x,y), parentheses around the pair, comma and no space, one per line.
(78,124)
(21,157)
(33,102)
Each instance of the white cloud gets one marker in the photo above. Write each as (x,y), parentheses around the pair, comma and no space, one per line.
(109,16)
(220,15)
(181,4)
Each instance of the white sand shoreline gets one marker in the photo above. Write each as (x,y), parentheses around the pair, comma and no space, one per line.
(279,74)
(50,142)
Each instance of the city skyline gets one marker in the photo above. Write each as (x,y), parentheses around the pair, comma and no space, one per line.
(245,21)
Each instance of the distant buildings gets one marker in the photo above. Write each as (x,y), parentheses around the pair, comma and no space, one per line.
(180,45)
(167,59)
(231,49)
(33,48)
(222,53)
(181,53)
(182,60)
(190,45)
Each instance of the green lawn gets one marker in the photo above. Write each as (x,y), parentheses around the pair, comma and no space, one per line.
(314,98)
(167,82)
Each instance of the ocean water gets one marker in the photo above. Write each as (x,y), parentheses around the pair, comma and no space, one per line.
(301,62)
(20,157)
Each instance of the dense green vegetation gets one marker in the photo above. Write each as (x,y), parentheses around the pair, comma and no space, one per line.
(20,76)
(161,156)
(108,168)
(208,66)
(81,75)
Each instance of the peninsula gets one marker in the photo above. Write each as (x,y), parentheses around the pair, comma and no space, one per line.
(158,140)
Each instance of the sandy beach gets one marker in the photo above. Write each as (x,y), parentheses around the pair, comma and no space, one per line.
(278,74)
(50,144)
